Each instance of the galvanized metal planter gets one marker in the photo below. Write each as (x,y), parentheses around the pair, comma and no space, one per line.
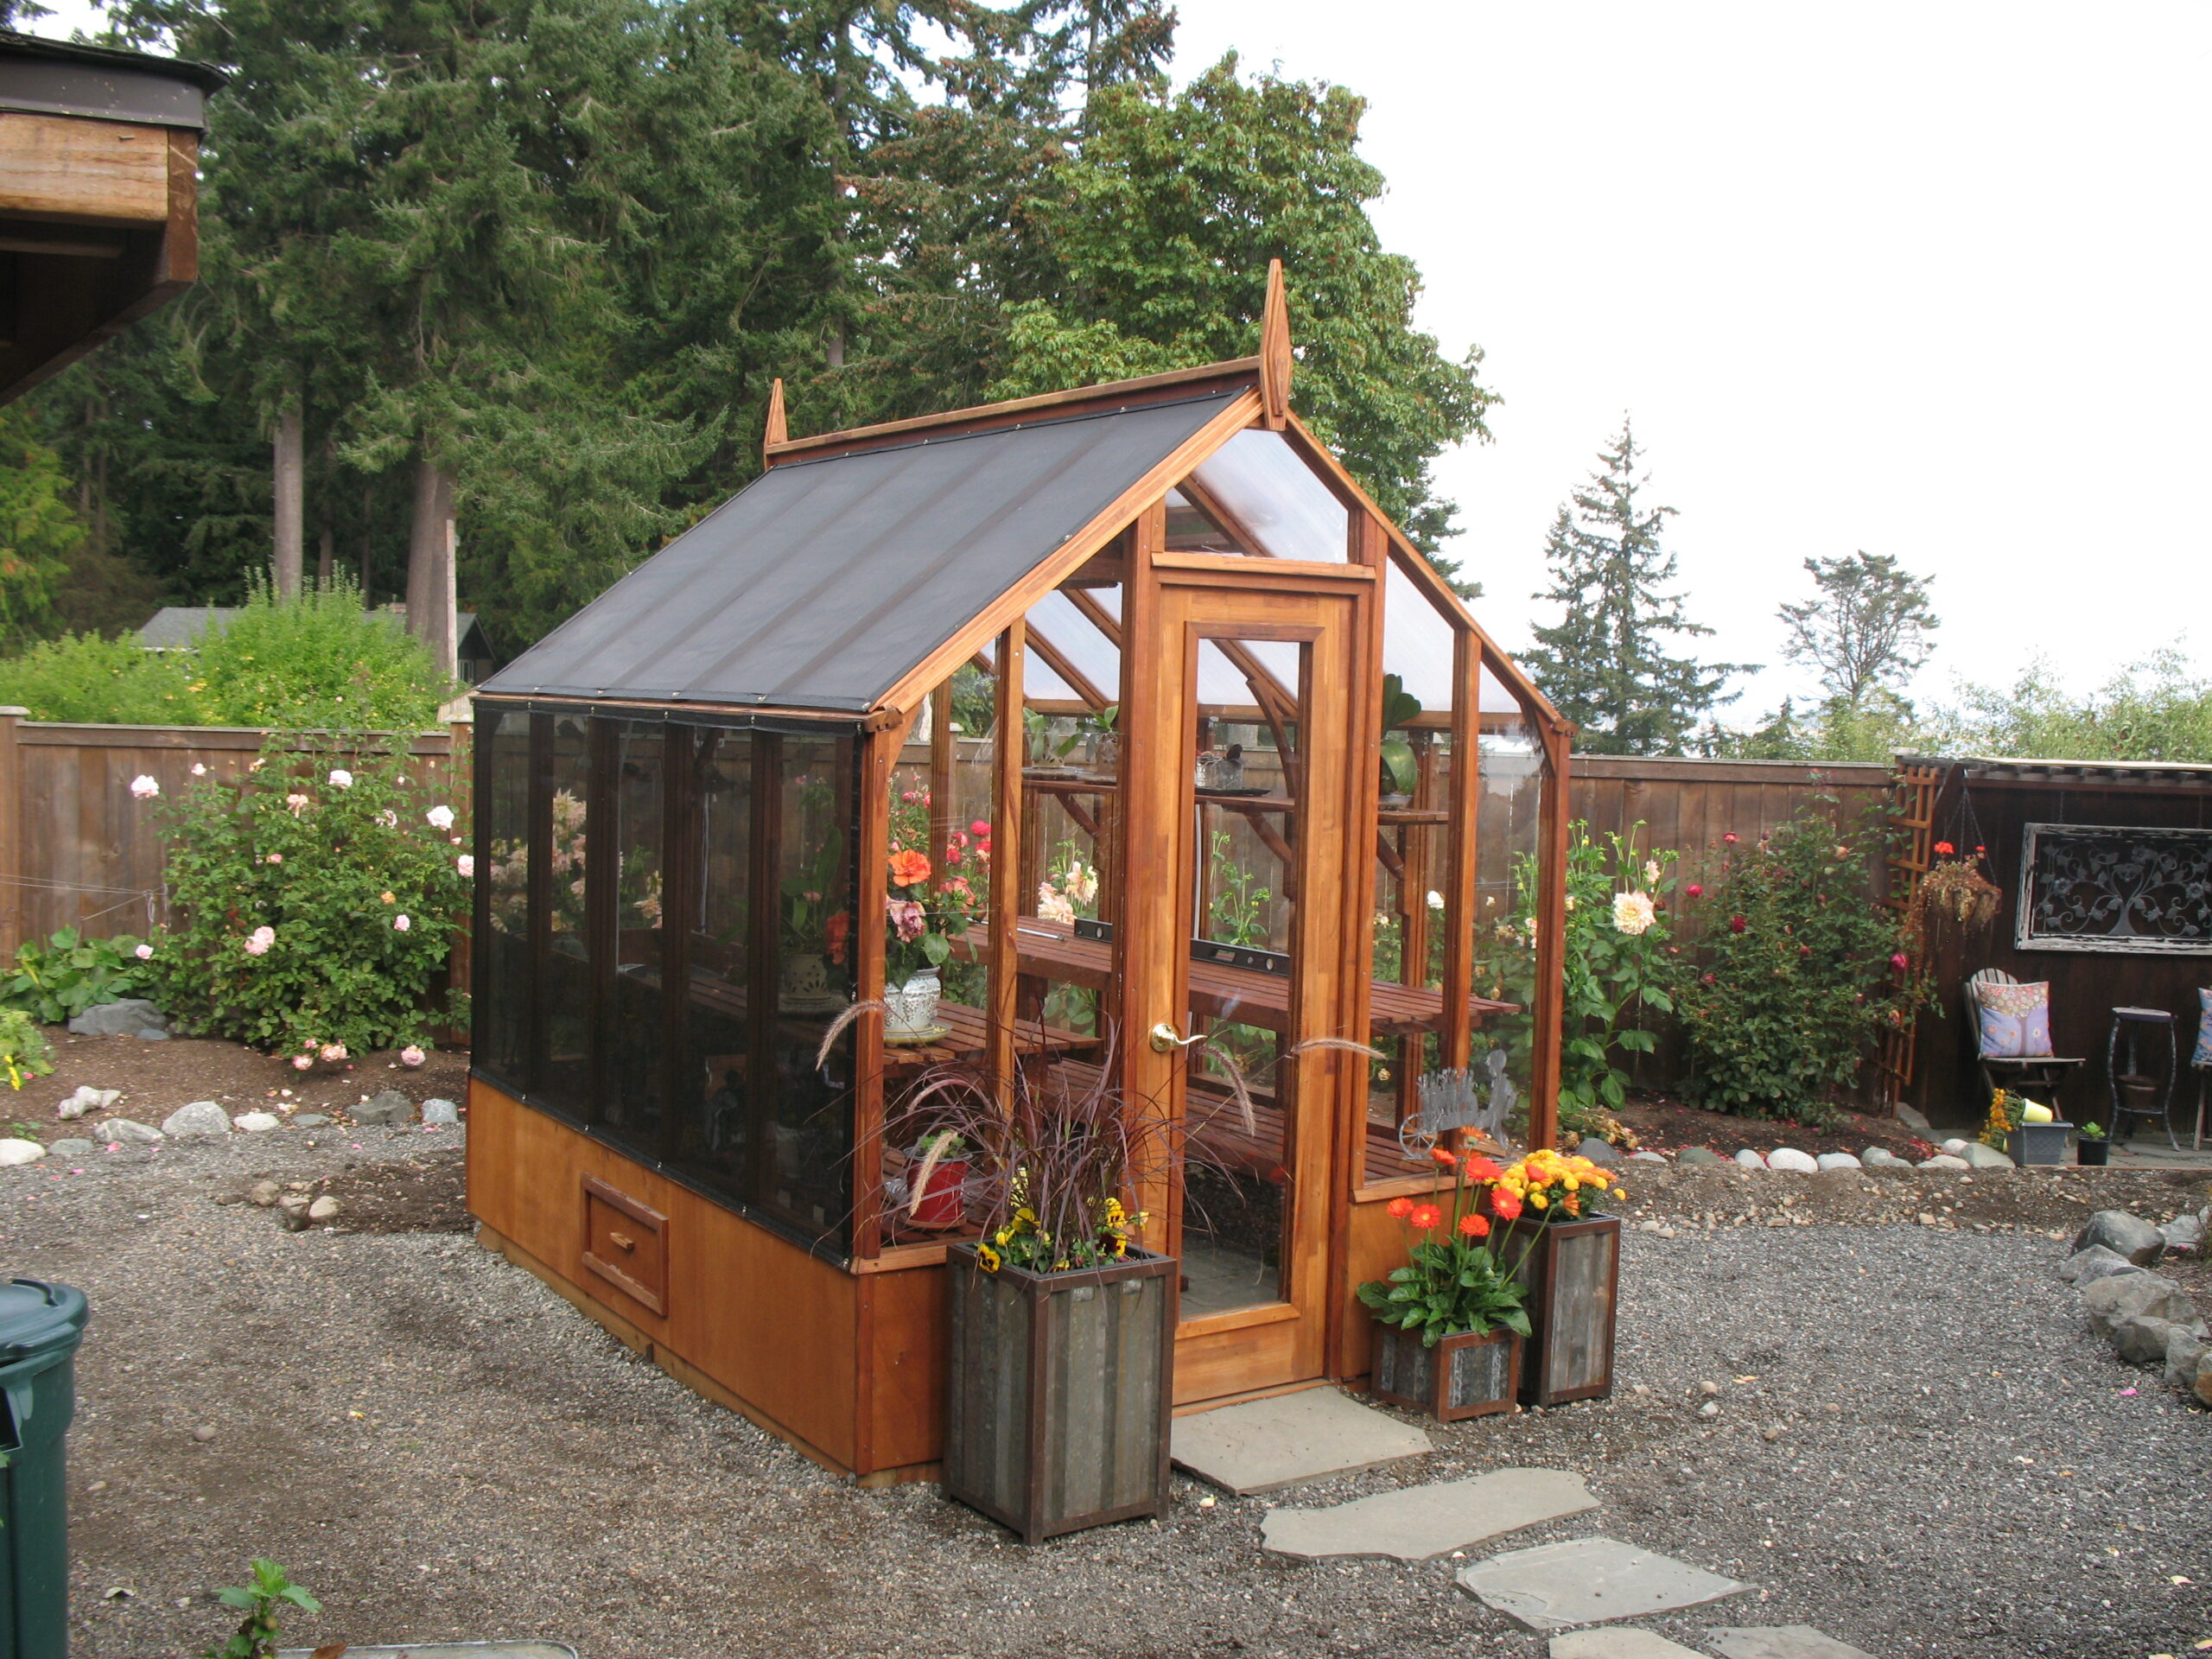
(1056,1392)
(1463,1376)
(1572,1274)
(2038,1143)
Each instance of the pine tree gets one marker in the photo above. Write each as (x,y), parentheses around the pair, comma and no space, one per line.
(1604,663)
(1866,628)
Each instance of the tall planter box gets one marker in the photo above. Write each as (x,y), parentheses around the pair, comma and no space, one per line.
(1571,1275)
(1463,1376)
(1057,1396)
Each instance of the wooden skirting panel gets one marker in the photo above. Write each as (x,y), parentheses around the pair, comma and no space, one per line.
(751,1320)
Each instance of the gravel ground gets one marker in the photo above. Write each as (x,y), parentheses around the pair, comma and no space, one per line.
(1918,1449)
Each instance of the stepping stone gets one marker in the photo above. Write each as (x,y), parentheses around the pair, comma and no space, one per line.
(1418,1523)
(1780,1642)
(1622,1641)
(1589,1581)
(1264,1446)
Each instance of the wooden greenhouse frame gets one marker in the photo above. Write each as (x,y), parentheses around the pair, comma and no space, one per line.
(908,630)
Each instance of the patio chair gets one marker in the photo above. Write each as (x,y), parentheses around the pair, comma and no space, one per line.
(2011,1071)
(2202,1061)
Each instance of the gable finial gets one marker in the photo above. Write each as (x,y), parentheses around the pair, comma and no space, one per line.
(777,432)
(1275,360)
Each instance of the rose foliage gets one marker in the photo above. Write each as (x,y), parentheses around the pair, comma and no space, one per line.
(305,912)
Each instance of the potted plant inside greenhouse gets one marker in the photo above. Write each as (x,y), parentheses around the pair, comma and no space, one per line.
(1060,1327)
(924,910)
(1449,1324)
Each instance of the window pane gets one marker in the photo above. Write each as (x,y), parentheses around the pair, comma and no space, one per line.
(1270,496)
(635,1078)
(502,1038)
(709,1138)
(563,1075)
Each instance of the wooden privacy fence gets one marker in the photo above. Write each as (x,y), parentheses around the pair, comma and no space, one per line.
(76,849)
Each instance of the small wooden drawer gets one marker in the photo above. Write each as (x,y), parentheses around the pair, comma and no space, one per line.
(626,1243)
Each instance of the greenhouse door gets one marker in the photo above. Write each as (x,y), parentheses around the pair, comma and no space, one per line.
(1241,816)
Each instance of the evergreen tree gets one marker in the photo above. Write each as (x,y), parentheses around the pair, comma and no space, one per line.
(1604,663)
(1865,629)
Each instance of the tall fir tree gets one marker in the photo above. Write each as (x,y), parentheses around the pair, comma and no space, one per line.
(1605,664)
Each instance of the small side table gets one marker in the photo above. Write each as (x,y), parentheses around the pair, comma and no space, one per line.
(2138,1029)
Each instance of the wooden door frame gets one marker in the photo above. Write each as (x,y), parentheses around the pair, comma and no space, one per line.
(1334,940)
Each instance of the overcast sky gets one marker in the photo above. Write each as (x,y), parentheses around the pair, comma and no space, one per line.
(1927,279)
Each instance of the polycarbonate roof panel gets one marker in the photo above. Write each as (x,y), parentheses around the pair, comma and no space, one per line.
(825,582)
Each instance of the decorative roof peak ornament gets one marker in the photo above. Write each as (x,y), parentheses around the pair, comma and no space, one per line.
(1275,358)
(778,431)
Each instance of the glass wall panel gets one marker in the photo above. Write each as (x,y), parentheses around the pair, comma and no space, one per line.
(632,1109)
(711,1135)
(502,1047)
(561,1077)
(1270,497)
(1508,884)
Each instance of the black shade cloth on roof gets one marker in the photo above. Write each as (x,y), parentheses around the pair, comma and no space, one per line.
(824,582)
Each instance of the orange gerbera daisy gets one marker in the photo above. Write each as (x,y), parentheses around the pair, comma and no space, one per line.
(1479,1169)
(909,869)
(1474,1226)
(1428,1218)
(1399,1209)
(1505,1202)
(1443,1155)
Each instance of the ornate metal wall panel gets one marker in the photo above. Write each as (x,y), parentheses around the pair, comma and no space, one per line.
(2105,888)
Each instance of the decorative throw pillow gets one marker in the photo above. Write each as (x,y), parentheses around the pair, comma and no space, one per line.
(2016,1021)
(2204,1030)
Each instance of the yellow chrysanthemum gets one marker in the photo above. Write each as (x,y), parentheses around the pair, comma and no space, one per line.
(1539,1200)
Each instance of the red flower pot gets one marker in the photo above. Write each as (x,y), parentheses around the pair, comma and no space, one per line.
(941,1207)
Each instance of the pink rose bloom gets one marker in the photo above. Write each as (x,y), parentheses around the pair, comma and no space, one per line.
(467,864)
(144,953)
(912,921)
(275,858)
(199,770)
(301,1062)
(441,817)
(341,779)
(401,922)
(333,1052)
(144,787)
(411,1055)
(259,940)
(299,803)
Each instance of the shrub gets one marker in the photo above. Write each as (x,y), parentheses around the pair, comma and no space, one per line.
(24,1052)
(314,900)
(60,980)
(317,663)
(1798,972)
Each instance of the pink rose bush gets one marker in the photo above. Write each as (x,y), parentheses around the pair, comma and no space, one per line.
(278,881)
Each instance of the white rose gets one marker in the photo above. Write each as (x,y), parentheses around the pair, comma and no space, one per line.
(341,779)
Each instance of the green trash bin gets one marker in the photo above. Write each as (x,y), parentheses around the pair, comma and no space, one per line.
(40,1328)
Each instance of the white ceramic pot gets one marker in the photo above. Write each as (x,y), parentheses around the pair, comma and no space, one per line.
(910,1009)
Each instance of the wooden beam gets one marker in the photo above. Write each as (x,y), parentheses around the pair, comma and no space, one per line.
(1150,920)
(941,756)
(1151,388)
(1006,827)
(1276,361)
(1462,867)
(84,171)
(1551,945)
(879,757)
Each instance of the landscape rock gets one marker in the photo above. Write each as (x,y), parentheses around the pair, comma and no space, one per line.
(1596,1148)
(258,1123)
(129,1133)
(263,1193)
(1750,1160)
(323,1209)
(2185,1351)
(2085,1268)
(1955,1147)
(1618,1642)
(1647,1157)
(88,1099)
(1837,1161)
(201,1118)
(1699,1155)
(1943,1161)
(441,1111)
(13,1152)
(2138,1295)
(383,1108)
(72,1148)
(1983,1157)
(1589,1580)
(2142,1340)
(309,1121)
(124,1019)
(1780,1642)
(2130,1236)
(2184,1232)
(292,1211)
(1796,1162)
(153,1034)
(1418,1523)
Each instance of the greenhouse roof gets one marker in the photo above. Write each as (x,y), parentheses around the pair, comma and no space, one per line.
(827,580)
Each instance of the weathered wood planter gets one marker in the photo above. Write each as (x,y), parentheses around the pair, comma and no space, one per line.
(1572,1274)
(1463,1376)
(1057,1392)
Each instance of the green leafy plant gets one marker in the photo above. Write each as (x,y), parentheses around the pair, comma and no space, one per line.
(314,900)
(270,1593)
(24,1052)
(2092,1131)
(1400,771)
(59,980)
(1799,971)
(1453,1281)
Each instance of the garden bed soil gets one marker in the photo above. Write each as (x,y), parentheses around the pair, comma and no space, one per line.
(1663,1123)
(156,1078)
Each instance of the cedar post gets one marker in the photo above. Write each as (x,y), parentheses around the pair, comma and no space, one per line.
(1144,931)
(879,756)
(1461,868)
(1551,943)
(11,831)
(1006,843)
